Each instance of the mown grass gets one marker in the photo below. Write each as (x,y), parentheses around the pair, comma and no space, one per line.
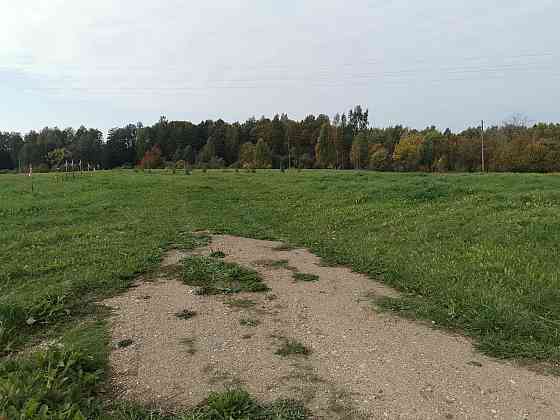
(213,276)
(474,253)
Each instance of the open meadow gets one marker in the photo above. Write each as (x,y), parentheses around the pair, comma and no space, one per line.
(474,254)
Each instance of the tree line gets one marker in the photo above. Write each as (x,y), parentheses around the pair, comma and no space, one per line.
(346,141)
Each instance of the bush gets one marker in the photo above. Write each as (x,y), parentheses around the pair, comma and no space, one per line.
(152,158)
(41,168)
(216,163)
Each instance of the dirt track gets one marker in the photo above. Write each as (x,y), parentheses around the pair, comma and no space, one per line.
(364,364)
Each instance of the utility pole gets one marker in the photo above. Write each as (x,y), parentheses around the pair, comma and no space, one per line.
(482,148)
(289,151)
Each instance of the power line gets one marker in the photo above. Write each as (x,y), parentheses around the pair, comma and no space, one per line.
(281,83)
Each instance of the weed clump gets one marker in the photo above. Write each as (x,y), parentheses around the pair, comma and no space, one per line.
(218,254)
(249,322)
(52,384)
(127,342)
(185,314)
(292,347)
(305,277)
(213,276)
(237,404)
(189,241)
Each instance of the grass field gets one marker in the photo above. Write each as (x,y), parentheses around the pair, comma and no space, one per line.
(474,253)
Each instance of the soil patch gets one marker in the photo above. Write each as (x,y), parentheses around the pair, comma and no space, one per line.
(358,364)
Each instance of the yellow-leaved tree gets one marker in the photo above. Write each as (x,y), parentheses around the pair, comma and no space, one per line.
(408,152)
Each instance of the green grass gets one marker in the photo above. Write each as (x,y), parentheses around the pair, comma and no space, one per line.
(305,277)
(249,322)
(276,264)
(127,342)
(477,254)
(60,381)
(237,404)
(292,347)
(232,404)
(185,314)
(217,254)
(283,247)
(213,276)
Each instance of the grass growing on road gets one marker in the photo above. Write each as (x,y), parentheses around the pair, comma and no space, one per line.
(249,322)
(292,347)
(214,276)
(306,277)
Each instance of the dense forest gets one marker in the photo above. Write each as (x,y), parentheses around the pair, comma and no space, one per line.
(343,142)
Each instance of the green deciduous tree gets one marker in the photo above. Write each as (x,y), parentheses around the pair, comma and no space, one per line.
(408,153)
(359,152)
(247,155)
(325,149)
(263,156)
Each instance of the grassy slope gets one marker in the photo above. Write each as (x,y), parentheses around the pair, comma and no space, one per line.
(479,253)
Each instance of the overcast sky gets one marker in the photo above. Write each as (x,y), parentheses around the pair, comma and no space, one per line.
(105,63)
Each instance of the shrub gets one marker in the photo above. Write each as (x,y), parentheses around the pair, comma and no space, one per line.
(41,168)
(216,163)
(152,158)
